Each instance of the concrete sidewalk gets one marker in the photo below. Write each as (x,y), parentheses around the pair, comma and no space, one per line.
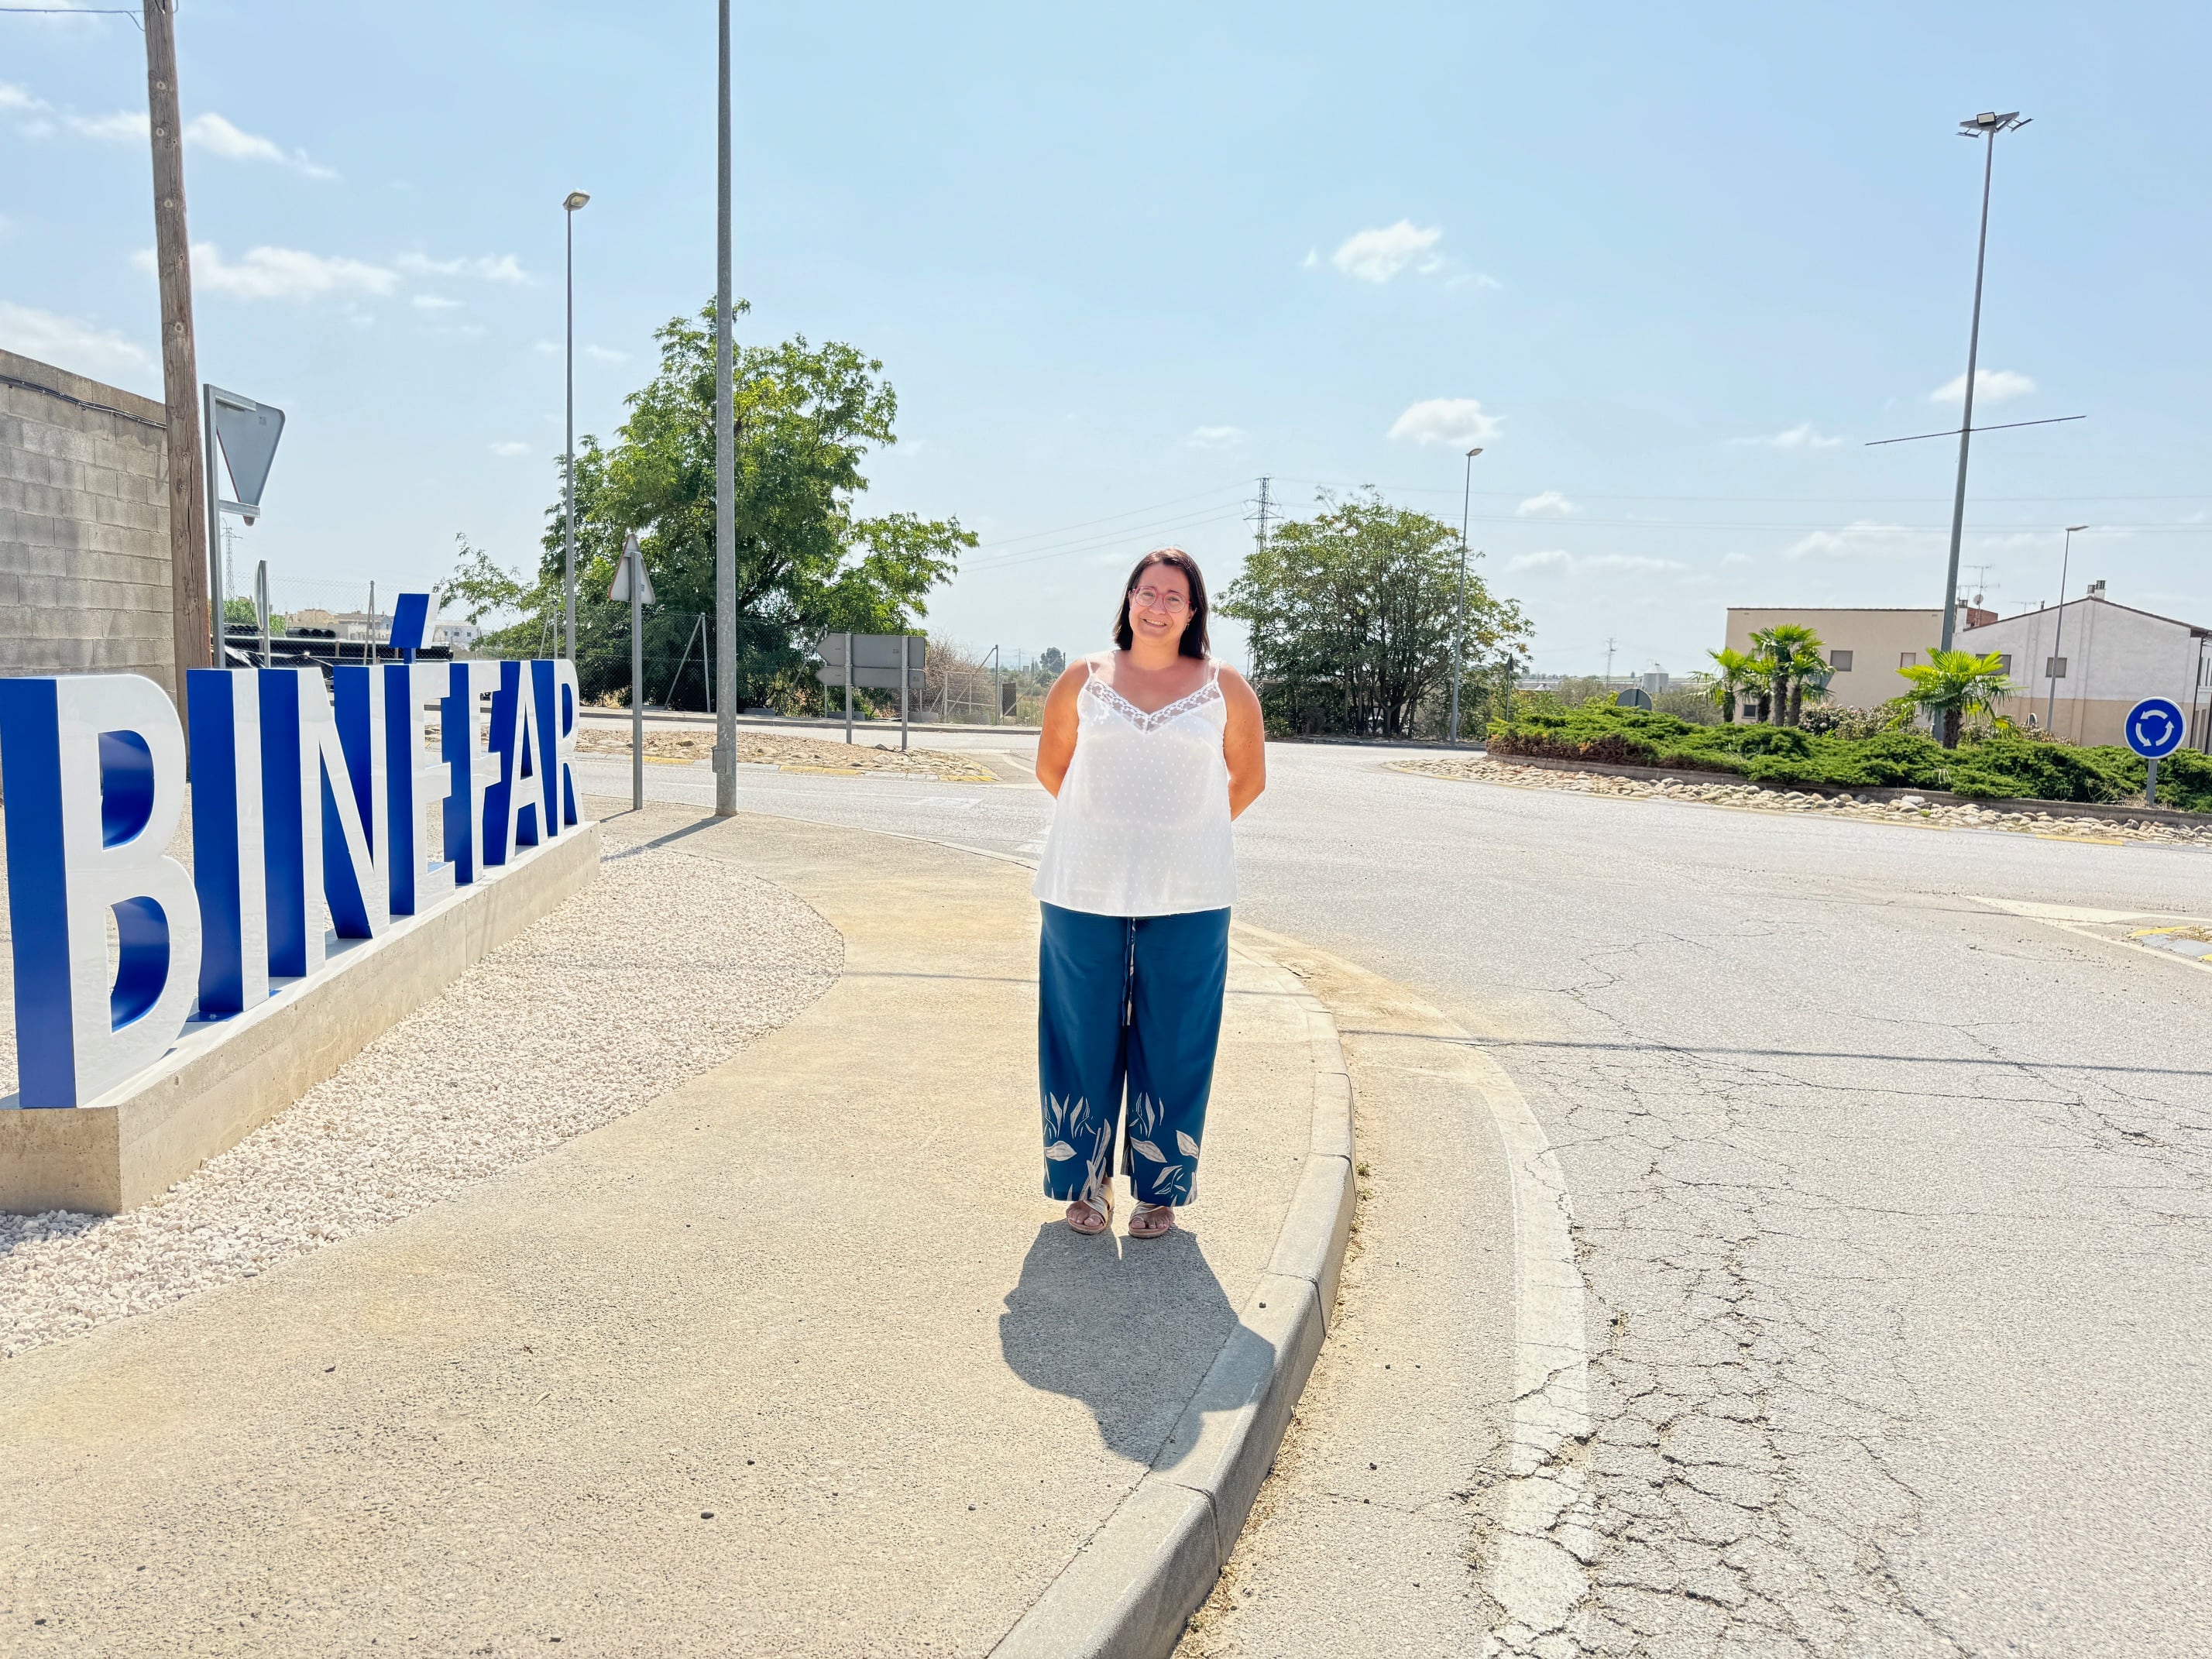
(794,1359)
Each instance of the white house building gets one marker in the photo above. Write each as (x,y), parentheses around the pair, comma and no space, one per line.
(2082,665)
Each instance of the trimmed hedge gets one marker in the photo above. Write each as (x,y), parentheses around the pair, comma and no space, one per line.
(1998,768)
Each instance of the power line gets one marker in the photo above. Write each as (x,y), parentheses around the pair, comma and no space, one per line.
(991,559)
(1084,524)
(1842,500)
(1094,544)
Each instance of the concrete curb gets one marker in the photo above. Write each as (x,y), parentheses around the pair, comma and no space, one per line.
(1135,1582)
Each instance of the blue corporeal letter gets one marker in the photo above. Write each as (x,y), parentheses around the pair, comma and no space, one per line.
(514,811)
(309,813)
(419,781)
(473,767)
(228,870)
(92,768)
(555,682)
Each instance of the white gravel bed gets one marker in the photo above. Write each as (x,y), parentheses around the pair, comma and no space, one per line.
(1911,809)
(662,969)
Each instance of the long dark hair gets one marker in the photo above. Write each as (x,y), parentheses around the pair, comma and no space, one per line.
(1195,642)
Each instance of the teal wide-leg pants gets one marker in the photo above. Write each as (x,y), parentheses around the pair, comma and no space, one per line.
(1128,1004)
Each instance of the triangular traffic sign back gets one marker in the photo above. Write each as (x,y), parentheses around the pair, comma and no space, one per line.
(630,555)
(247,432)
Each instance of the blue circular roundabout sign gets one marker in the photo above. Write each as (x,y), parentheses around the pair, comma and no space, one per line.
(2155,727)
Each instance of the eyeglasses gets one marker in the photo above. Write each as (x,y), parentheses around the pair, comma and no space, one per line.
(1153,599)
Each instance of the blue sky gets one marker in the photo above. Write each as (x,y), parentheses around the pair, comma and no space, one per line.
(1675,266)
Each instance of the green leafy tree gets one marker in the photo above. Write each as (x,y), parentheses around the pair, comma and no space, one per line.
(808,562)
(1952,684)
(1352,613)
(479,587)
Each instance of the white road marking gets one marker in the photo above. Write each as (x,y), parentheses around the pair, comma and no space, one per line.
(1545,1539)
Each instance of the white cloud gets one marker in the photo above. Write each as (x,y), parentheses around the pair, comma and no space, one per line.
(1991,385)
(1312,258)
(68,344)
(280,273)
(1216,437)
(484,268)
(1598,565)
(1733,561)
(1863,540)
(112,129)
(510,449)
(1801,436)
(605,354)
(547,347)
(1457,421)
(1550,501)
(210,132)
(19,100)
(435,302)
(1377,256)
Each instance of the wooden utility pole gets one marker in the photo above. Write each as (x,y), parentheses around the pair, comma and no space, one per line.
(173,258)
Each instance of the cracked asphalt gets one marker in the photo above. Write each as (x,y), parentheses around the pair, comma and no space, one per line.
(1890,1207)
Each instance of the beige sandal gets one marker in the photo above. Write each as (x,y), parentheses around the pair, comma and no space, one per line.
(1093,1215)
(1151,1220)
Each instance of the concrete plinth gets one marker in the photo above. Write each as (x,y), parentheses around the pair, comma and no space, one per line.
(224,1079)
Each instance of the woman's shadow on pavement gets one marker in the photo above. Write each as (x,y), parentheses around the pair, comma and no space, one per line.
(1127,1327)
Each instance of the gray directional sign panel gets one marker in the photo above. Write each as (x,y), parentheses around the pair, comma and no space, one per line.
(875,660)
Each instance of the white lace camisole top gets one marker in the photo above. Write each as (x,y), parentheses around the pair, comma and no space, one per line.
(1141,826)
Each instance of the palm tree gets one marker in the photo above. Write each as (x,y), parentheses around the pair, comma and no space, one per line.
(1788,654)
(1808,679)
(1736,669)
(1952,684)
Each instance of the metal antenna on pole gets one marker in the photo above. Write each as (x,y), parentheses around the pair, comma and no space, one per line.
(726,461)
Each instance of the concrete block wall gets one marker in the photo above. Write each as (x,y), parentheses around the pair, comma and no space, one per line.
(84,527)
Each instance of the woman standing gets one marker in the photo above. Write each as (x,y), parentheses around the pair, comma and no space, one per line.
(1151,749)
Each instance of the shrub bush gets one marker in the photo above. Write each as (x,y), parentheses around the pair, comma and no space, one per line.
(2004,766)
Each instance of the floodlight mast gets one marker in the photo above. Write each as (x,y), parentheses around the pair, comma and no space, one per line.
(569,204)
(1985,126)
(1459,613)
(2058,633)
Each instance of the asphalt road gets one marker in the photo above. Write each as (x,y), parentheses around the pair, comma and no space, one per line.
(1890,1206)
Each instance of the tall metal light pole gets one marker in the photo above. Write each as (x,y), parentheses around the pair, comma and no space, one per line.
(576,199)
(2058,634)
(1985,126)
(725,465)
(1459,612)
